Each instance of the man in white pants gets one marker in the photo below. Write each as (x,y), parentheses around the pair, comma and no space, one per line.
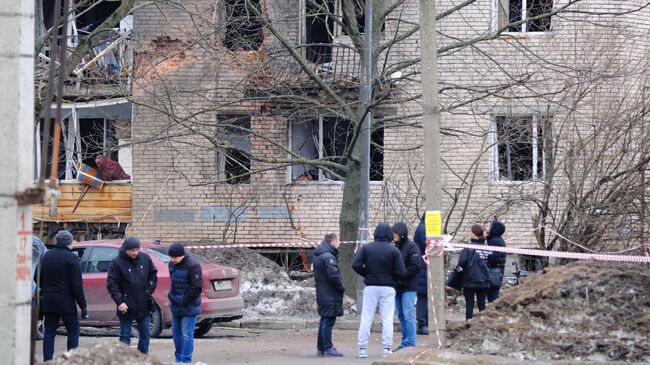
(381,265)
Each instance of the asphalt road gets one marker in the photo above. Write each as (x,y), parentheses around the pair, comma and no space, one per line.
(247,346)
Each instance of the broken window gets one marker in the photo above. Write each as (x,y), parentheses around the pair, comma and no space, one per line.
(319,30)
(522,143)
(328,139)
(243,28)
(232,157)
(512,11)
(361,18)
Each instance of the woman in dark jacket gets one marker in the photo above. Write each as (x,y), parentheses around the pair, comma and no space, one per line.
(422,309)
(496,260)
(329,292)
(476,277)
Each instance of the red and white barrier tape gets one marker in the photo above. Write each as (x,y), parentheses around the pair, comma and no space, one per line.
(560,254)
(434,248)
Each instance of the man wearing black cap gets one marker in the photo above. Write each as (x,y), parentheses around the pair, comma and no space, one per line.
(381,265)
(132,279)
(61,291)
(185,299)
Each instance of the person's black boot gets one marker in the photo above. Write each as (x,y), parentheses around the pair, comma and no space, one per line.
(423,331)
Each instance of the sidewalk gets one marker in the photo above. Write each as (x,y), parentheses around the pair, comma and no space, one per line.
(278,324)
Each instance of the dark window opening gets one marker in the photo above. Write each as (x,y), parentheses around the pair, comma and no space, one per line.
(92,14)
(50,143)
(329,138)
(233,155)
(361,18)
(537,8)
(521,147)
(319,28)
(243,28)
(515,9)
(97,138)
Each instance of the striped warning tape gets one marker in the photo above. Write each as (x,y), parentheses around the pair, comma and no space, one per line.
(560,254)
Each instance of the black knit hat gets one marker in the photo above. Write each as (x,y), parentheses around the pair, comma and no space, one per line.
(383,233)
(176,250)
(131,243)
(63,238)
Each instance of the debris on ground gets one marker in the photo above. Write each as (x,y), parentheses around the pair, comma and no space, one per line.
(266,287)
(105,353)
(587,311)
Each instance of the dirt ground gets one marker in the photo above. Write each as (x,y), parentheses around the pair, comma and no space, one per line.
(267,290)
(582,311)
(102,353)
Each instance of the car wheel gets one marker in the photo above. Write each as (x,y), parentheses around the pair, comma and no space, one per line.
(156,325)
(40,329)
(202,329)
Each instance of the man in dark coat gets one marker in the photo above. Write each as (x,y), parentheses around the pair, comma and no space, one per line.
(407,287)
(61,291)
(329,292)
(422,310)
(132,279)
(496,260)
(380,263)
(185,298)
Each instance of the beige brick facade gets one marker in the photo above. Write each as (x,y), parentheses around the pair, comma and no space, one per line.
(185,77)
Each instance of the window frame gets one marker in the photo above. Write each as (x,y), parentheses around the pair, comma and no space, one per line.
(495,174)
(321,175)
(496,20)
(221,155)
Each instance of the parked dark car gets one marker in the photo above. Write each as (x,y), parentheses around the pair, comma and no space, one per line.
(220,299)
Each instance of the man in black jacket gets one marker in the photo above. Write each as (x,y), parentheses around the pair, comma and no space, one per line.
(132,279)
(408,286)
(380,263)
(61,291)
(329,292)
(496,260)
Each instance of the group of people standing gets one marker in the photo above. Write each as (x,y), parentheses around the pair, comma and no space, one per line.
(395,279)
(391,266)
(132,279)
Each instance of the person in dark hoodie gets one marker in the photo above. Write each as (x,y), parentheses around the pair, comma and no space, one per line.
(422,307)
(408,286)
(496,260)
(185,299)
(61,291)
(329,292)
(476,277)
(380,264)
(132,279)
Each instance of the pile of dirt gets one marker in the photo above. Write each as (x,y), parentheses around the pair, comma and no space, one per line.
(108,353)
(266,287)
(590,311)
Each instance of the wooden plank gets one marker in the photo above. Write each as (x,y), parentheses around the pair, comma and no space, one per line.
(117,204)
(96,196)
(108,188)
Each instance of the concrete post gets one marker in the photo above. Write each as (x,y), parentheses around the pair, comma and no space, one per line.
(16,175)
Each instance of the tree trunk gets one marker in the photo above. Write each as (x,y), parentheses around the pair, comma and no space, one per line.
(349,225)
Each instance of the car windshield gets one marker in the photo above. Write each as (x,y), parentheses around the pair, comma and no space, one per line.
(161,254)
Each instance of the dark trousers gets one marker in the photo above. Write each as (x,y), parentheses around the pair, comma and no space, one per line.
(143,330)
(493,294)
(51,323)
(481,295)
(422,311)
(325,333)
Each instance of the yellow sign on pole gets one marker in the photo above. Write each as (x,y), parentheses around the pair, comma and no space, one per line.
(433,223)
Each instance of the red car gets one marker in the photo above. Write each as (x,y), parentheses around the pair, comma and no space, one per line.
(220,299)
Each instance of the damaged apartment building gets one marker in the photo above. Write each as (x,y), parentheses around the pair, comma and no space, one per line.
(95,121)
(241,114)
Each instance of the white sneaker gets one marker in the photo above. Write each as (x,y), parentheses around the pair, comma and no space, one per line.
(387,352)
(363,353)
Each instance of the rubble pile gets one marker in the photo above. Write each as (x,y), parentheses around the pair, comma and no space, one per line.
(588,311)
(107,353)
(266,287)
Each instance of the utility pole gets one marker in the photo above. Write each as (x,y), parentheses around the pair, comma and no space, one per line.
(364,139)
(16,147)
(432,158)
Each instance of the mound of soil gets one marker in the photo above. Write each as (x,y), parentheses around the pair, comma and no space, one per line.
(108,353)
(266,287)
(582,311)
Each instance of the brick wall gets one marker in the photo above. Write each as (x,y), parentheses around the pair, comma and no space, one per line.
(186,78)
